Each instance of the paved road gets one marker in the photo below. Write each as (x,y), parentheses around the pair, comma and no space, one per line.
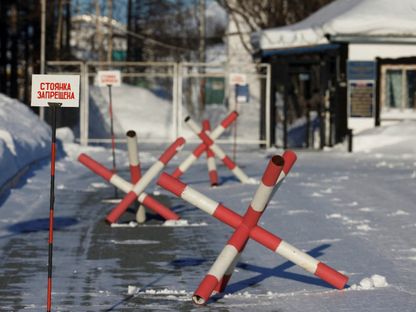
(355,213)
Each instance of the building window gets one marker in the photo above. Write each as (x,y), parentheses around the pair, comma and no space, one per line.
(399,87)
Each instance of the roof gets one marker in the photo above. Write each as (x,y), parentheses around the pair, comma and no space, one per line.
(348,19)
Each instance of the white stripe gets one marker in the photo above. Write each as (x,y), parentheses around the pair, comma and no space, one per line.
(148,176)
(211,164)
(132,151)
(199,200)
(261,197)
(223,262)
(187,163)
(216,133)
(194,127)
(281,178)
(232,266)
(240,175)
(298,257)
(279,182)
(141,214)
(142,197)
(217,151)
(121,183)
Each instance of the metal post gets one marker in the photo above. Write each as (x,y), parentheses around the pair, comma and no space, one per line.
(54,107)
(180,98)
(268,104)
(82,114)
(175,100)
(349,134)
(42,47)
(110,31)
(113,142)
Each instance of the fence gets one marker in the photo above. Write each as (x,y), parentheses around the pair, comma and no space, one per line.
(155,97)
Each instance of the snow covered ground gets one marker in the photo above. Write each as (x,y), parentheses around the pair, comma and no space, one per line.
(356,212)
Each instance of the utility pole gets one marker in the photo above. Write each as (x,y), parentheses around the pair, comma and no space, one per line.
(98,38)
(110,30)
(58,37)
(42,47)
(201,56)
(202,31)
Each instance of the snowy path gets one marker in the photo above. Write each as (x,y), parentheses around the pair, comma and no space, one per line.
(355,212)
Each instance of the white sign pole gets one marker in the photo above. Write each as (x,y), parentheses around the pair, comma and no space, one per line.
(54,91)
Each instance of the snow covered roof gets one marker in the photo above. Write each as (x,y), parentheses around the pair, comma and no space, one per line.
(346,19)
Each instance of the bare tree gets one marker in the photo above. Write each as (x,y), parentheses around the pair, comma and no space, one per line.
(249,16)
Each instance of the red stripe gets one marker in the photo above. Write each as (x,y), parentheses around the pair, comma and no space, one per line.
(135,173)
(159,208)
(116,213)
(53,155)
(199,150)
(210,153)
(331,276)
(213,176)
(272,172)
(206,126)
(171,184)
(251,217)
(177,173)
(206,287)
(265,238)
(222,283)
(240,237)
(94,166)
(229,163)
(205,138)
(227,216)
(227,121)
(171,150)
(290,159)
(49,300)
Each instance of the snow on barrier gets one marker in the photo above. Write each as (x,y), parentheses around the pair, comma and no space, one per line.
(212,168)
(135,170)
(246,227)
(145,180)
(209,143)
(136,191)
(201,148)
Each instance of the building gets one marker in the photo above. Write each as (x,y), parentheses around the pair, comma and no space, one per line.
(90,34)
(350,65)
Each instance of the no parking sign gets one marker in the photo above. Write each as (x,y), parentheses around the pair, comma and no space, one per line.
(63,89)
(54,91)
(108,78)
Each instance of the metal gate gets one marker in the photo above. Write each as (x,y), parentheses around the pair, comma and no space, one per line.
(155,97)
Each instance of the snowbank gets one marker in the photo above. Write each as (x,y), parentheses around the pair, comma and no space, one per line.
(24,138)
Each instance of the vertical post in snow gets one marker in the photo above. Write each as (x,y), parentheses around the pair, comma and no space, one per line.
(54,107)
(235,128)
(113,142)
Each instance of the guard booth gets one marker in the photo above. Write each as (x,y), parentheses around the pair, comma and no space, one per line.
(349,66)
(308,96)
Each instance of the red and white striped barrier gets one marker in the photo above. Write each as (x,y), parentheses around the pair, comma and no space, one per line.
(197,152)
(289,158)
(135,170)
(257,233)
(209,143)
(238,240)
(145,180)
(212,168)
(125,186)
